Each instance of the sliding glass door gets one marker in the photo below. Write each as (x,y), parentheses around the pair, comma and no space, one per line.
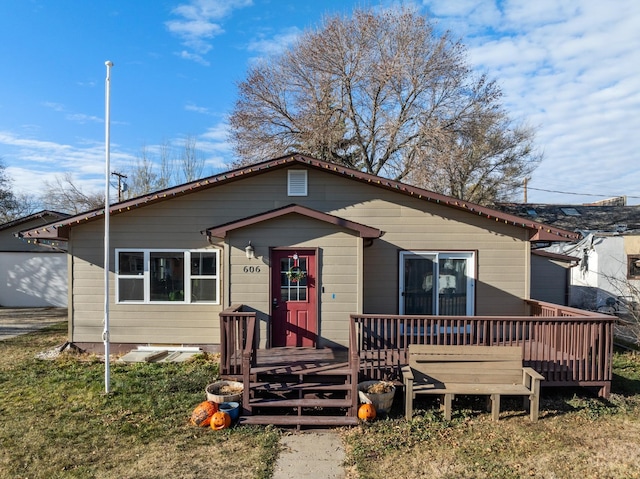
(436,283)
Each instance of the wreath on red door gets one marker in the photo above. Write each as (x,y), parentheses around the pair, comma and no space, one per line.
(295,273)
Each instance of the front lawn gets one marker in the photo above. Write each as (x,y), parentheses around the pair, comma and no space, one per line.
(57,422)
(577,436)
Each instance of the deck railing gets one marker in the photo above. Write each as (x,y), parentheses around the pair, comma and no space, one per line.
(237,340)
(566,345)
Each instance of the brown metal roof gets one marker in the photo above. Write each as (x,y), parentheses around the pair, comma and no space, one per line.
(538,231)
(362,230)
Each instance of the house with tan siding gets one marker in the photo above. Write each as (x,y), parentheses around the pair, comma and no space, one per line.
(301,243)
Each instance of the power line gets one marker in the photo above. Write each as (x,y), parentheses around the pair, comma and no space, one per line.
(579,194)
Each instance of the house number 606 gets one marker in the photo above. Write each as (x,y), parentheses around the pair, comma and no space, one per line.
(252,269)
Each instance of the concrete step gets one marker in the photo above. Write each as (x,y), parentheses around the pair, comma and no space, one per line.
(299,420)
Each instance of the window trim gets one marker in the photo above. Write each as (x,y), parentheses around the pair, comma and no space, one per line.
(145,276)
(436,255)
(631,259)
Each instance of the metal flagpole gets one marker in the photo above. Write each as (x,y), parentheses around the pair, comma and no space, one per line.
(107,133)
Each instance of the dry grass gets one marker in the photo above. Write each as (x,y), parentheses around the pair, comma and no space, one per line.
(578,436)
(56,421)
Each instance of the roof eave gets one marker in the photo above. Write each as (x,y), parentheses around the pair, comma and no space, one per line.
(361,230)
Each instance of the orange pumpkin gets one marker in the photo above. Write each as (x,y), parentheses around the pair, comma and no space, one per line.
(203,412)
(367,412)
(220,420)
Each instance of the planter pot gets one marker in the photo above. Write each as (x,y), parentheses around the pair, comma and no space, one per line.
(224,391)
(381,401)
(231,408)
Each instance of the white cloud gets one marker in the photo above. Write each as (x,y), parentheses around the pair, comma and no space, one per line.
(82,118)
(39,161)
(215,142)
(571,68)
(199,22)
(267,46)
(54,106)
(194,57)
(75,117)
(197,109)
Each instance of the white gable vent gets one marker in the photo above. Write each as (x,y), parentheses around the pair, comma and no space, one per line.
(297,183)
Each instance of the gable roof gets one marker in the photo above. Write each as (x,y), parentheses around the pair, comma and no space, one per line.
(47,216)
(362,230)
(537,231)
(596,218)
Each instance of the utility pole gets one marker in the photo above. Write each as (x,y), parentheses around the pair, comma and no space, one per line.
(120,182)
(526,180)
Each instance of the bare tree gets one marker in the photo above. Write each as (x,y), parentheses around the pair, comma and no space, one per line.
(625,304)
(166,169)
(62,194)
(190,162)
(8,201)
(383,93)
(25,205)
(166,166)
(142,178)
(484,161)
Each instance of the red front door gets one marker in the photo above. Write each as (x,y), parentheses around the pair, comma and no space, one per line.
(294,303)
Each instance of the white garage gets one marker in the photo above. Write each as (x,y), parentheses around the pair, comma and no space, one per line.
(31,275)
(33,279)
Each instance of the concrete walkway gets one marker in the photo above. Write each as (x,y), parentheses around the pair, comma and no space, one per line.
(317,454)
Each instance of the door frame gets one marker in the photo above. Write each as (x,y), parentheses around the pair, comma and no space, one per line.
(317,288)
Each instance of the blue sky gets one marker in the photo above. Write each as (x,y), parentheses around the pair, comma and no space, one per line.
(570,68)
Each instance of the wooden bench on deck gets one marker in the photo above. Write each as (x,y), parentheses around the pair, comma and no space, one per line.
(470,370)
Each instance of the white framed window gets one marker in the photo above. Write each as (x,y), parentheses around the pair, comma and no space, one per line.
(167,276)
(437,283)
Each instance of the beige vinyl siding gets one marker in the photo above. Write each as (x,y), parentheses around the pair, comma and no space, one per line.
(337,263)
(131,322)
(409,223)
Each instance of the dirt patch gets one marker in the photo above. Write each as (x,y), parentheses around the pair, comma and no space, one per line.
(16,321)
(53,315)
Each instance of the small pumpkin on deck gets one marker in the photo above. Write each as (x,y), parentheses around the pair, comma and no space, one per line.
(367,412)
(220,420)
(203,412)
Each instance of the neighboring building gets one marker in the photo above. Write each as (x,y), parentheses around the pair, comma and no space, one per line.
(607,256)
(301,242)
(32,275)
(551,276)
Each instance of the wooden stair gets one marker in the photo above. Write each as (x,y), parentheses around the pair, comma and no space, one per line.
(294,390)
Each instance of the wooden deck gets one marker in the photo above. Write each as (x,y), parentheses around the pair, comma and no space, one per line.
(290,386)
(570,347)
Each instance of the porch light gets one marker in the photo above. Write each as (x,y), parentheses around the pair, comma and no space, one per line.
(250,251)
